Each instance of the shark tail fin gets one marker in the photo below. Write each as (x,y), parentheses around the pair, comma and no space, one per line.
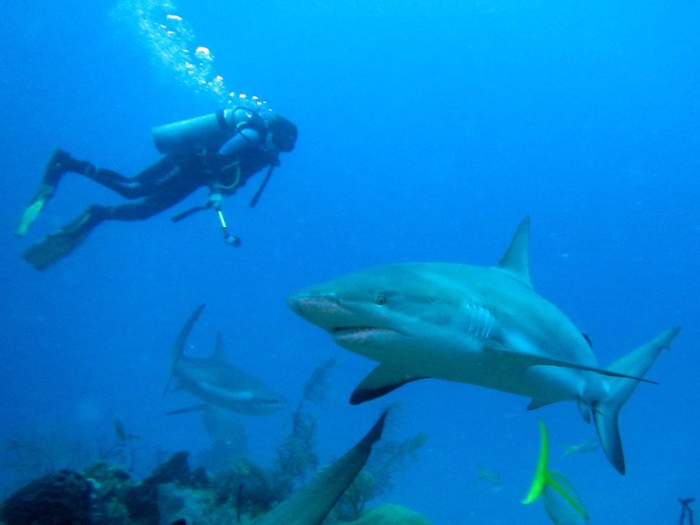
(606,411)
(179,346)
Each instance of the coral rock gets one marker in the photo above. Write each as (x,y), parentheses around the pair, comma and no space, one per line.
(61,498)
(390,515)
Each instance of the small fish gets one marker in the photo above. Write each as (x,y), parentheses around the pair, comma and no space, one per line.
(218,383)
(122,435)
(488,476)
(590,445)
(561,501)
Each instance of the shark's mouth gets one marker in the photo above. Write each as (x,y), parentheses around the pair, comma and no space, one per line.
(360,334)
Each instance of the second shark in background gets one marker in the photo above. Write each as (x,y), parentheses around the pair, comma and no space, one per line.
(218,383)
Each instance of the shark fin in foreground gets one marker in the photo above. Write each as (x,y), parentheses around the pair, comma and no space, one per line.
(561,501)
(312,503)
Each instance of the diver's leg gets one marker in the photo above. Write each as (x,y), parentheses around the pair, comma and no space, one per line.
(166,195)
(56,246)
(60,163)
(139,186)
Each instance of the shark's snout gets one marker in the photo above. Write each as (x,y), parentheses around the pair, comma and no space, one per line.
(317,308)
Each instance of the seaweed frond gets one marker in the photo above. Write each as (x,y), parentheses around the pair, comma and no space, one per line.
(296,455)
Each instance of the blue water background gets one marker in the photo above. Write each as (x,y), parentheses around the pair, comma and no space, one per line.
(427,131)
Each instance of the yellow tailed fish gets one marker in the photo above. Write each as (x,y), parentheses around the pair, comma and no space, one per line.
(561,501)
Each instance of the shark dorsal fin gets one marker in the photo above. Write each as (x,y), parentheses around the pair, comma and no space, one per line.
(219,354)
(516,259)
(179,347)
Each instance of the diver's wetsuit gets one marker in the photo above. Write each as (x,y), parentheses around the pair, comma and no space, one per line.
(240,148)
(174,178)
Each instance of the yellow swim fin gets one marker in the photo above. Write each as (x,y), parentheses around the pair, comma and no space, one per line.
(32,211)
(56,246)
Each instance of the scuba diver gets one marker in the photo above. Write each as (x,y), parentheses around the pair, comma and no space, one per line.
(221,150)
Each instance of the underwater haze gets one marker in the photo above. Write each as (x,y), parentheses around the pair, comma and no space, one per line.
(427,131)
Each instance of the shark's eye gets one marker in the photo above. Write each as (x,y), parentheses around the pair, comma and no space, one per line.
(380,300)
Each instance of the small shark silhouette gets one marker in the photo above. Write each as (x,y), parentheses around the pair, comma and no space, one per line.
(590,445)
(480,325)
(218,383)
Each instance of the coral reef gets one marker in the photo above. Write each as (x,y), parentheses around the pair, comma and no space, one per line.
(106,493)
(376,480)
(390,515)
(296,456)
(61,498)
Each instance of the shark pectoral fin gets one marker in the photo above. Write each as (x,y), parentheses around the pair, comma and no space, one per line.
(538,403)
(188,409)
(382,380)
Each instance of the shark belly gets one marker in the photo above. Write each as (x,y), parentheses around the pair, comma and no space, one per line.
(495,334)
(473,361)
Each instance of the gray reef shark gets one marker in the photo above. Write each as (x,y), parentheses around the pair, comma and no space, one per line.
(480,325)
(216,382)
